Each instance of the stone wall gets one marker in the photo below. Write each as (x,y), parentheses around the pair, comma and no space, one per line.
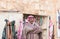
(28,6)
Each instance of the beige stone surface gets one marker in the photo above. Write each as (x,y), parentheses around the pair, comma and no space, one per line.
(28,6)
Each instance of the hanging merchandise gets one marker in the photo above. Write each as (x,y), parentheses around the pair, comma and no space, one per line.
(4,34)
(59,22)
(50,28)
(41,21)
(7,33)
(9,30)
(13,30)
(19,33)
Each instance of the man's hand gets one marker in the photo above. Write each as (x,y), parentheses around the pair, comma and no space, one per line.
(34,28)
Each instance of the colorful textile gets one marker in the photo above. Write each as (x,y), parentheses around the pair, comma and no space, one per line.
(50,28)
(9,31)
(19,33)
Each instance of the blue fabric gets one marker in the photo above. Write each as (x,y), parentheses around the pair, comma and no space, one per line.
(41,20)
(4,33)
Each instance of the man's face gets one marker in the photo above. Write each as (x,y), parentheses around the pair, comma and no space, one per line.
(31,19)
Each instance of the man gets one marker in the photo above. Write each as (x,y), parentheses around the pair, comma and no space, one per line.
(31,29)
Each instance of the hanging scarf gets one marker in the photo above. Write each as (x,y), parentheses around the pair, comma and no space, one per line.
(9,31)
(13,30)
(20,30)
(4,34)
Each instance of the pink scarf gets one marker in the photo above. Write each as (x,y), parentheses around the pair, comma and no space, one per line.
(19,33)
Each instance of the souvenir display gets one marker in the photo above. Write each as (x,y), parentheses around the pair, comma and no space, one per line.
(9,30)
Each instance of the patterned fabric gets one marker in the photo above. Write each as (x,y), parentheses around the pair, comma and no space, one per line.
(41,21)
(13,30)
(59,22)
(50,28)
(19,33)
(6,31)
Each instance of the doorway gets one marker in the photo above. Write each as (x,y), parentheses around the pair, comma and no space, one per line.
(43,22)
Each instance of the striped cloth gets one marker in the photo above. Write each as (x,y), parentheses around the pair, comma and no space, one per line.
(19,33)
(50,29)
